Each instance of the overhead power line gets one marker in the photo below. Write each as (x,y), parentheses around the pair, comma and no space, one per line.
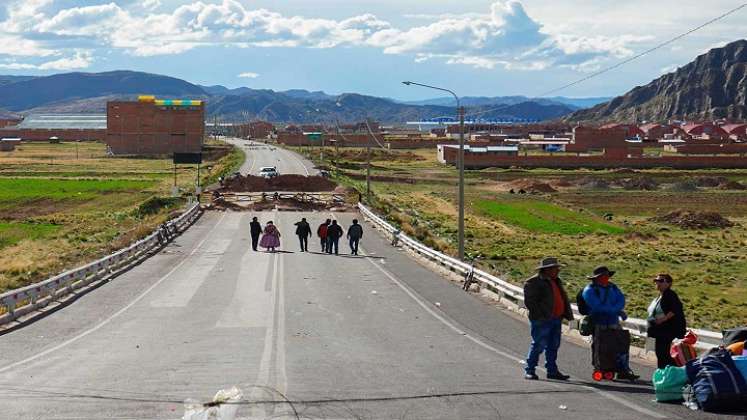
(635,57)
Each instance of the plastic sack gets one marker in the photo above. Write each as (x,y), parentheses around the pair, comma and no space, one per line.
(682,351)
(223,407)
(690,338)
(669,383)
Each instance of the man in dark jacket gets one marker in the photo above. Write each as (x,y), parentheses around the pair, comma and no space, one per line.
(334,233)
(303,230)
(255,229)
(355,233)
(547,303)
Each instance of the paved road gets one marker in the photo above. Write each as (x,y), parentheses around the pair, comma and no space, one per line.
(259,154)
(339,336)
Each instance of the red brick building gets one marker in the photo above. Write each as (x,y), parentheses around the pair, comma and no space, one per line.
(736,131)
(155,127)
(654,132)
(631,130)
(707,130)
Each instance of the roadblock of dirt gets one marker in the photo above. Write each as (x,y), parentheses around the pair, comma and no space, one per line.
(297,183)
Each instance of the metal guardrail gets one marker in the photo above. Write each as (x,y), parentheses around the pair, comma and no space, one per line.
(637,327)
(24,300)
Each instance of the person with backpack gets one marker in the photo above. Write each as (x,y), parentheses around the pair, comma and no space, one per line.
(303,230)
(547,304)
(355,233)
(604,303)
(334,233)
(321,232)
(666,320)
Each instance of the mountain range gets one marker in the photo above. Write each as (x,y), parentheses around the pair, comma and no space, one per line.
(88,93)
(712,86)
(576,103)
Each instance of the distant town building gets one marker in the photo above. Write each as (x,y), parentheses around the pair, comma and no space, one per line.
(151,126)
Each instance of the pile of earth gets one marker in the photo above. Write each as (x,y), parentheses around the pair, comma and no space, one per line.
(591,183)
(719,182)
(643,183)
(532,186)
(695,219)
(295,183)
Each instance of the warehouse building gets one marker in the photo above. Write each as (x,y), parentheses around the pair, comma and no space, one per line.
(151,126)
(64,127)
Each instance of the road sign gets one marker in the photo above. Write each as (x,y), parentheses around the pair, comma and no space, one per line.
(187,158)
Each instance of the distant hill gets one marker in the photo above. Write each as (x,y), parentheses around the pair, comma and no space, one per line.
(713,86)
(32,93)
(89,92)
(575,103)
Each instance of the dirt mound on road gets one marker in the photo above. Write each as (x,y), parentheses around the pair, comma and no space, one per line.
(296,183)
(695,220)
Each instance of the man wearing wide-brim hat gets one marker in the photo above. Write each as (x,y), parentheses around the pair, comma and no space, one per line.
(547,303)
(606,303)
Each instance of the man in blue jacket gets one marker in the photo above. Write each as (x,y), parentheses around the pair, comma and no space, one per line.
(606,304)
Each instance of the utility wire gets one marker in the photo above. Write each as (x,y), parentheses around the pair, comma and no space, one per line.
(635,57)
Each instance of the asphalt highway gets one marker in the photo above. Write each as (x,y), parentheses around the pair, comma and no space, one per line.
(303,335)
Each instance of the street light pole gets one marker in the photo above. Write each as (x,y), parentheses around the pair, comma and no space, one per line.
(460,163)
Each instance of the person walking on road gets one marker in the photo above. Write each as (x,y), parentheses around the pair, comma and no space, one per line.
(255,229)
(355,233)
(303,230)
(270,238)
(547,303)
(606,303)
(334,233)
(666,320)
(321,232)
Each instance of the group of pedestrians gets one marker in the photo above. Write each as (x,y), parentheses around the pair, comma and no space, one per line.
(329,233)
(603,303)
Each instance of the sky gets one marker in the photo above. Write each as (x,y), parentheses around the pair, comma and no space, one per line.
(474,47)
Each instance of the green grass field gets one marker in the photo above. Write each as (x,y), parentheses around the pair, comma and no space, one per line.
(543,217)
(510,233)
(60,208)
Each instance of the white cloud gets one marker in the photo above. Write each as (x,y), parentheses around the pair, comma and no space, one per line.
(80,60)
(249,75)
(503,36)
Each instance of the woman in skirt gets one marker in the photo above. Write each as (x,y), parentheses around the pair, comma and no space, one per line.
(270,237)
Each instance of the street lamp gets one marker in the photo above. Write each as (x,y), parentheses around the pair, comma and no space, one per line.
(460,162)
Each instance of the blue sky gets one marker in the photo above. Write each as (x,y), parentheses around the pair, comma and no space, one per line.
(476,47)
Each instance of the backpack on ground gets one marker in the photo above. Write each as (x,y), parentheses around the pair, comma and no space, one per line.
(716,382)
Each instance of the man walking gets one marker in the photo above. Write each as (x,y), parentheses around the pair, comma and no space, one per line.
(303,230)
(547,303)
(334,233)
(355,233)
(255,229)
(321,231)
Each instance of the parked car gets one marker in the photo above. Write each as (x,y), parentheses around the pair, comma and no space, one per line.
(268,172)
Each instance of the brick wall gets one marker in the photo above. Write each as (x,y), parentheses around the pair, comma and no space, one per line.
(45,134)
(480,160)
(142,128)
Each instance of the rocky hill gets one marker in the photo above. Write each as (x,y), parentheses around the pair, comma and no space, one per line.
(713,86)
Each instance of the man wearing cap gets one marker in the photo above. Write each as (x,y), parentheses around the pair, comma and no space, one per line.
(606,304)
(547,303)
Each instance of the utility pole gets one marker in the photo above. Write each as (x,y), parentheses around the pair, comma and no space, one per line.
(460,163)
(368,163)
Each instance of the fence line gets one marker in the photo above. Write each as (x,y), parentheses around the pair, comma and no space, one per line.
(514,293)
(24,300)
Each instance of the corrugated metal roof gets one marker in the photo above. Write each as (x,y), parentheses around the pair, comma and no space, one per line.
(61,121)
